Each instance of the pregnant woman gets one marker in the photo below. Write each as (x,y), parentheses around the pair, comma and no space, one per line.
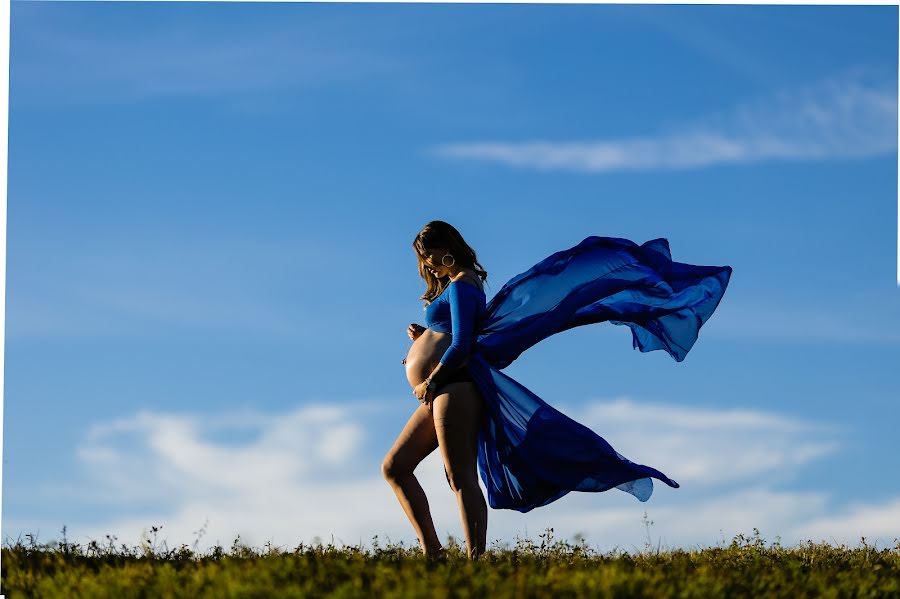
(451,405)
(529,453)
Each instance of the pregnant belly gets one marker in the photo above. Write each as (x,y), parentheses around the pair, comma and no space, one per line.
(424,355)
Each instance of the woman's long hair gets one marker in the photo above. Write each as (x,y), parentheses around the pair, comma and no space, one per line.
(438,234)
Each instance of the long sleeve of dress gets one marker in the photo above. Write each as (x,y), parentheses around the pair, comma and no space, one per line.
(464,302)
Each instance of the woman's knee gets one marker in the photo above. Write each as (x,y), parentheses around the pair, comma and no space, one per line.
(393,469)
(463,481)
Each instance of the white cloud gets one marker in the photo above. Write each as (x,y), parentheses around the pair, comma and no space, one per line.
(287,448)
(304,474)
(845,116)
(705,447)
(312,472)
(877,522)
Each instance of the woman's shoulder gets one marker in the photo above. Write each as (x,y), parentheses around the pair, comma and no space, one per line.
(470,279)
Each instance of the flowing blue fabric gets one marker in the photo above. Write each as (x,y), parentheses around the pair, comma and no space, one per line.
(531,454)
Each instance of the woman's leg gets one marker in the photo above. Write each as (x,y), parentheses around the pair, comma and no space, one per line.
(414,444)
(457,417)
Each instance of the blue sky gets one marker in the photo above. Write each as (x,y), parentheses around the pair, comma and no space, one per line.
(210,273)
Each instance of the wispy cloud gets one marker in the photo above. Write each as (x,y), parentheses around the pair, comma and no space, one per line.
(686,25)
(182,59)
(142,285)
(314,471)
(810,320)
(700,520)
(850,115)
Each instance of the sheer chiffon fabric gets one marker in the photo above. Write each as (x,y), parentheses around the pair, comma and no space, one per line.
(531,454)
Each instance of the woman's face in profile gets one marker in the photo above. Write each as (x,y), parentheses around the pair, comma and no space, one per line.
(432,260)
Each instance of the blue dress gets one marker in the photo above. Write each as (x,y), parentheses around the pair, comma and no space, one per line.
(531,454)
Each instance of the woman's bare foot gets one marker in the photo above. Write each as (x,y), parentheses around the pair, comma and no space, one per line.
(439,555)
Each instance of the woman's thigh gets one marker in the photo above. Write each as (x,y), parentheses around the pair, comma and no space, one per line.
(417,440)
(457,419)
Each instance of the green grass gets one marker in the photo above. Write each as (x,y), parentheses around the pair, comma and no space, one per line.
(745,568)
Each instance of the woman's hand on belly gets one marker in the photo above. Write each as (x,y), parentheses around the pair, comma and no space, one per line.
(425,353)
(414,330)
